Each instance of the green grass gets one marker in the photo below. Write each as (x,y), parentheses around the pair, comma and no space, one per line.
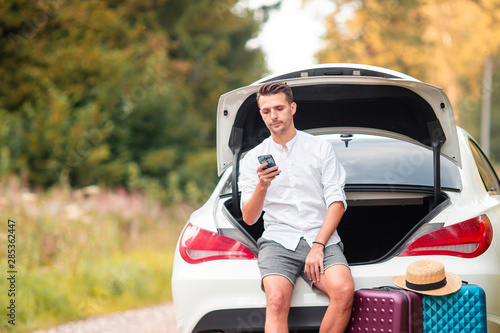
(81,254)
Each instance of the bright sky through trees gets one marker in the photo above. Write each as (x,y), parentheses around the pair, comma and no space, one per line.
(293,33)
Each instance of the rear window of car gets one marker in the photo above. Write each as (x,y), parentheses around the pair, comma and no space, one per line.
(371,159)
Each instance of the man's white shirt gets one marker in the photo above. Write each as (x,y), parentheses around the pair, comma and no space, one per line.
(296,202)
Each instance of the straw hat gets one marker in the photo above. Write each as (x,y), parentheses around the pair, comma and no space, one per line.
(429,278)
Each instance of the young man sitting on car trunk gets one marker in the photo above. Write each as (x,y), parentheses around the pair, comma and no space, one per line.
(303,199)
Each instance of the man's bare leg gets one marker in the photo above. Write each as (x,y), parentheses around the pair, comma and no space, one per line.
(337,283)
(278,296)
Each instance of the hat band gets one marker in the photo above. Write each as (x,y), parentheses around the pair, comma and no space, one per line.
(426,286)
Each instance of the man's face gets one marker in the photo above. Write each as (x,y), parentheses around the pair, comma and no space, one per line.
(277,112)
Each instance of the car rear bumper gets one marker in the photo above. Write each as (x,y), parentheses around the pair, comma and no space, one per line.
(226,296)
(300,319)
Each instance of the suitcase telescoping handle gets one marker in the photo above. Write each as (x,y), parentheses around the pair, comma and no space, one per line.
(409,302)
(387,288)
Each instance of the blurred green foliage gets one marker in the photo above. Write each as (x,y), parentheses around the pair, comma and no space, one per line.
(119,93)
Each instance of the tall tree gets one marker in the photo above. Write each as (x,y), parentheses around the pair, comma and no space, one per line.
(381,32)
(443,42)
(91,90)
(440,41)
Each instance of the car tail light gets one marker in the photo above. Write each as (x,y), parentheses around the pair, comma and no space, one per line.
(467,239)
(199,245)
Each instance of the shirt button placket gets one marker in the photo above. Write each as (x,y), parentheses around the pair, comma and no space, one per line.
(292,177)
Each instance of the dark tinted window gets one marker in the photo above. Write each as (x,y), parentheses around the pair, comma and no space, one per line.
(379,160)
(488,175)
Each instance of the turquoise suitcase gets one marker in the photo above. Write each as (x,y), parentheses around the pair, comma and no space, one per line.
(460,312)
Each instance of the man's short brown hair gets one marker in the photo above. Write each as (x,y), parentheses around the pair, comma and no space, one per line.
(273,88)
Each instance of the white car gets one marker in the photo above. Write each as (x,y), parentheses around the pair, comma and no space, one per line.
(418,187)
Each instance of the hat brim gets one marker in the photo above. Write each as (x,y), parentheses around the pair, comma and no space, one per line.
(453,284)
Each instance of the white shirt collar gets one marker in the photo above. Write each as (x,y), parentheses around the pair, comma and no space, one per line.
(289,144)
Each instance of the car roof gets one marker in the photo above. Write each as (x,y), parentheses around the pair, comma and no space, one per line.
(343,98)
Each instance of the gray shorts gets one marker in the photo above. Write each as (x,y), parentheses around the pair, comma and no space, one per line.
(275,259)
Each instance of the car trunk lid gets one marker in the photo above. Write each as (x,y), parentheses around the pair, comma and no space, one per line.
(402,108)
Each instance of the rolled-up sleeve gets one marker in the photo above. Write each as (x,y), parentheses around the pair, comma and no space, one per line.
(333,177)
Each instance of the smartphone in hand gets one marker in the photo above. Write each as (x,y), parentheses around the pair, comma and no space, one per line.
(267,158)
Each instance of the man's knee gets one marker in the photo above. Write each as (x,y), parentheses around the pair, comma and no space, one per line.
(346,294)
(340,288)
(277,302)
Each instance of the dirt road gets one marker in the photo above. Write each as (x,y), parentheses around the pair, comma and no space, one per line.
(155,319)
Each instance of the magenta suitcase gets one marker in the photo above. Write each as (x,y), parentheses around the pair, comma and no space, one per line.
(386,309)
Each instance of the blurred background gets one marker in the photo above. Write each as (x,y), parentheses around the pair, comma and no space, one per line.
(107,120)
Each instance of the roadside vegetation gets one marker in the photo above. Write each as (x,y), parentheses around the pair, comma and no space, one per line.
(81,253)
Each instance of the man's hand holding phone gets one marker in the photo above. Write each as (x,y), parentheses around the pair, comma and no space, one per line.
(267,169)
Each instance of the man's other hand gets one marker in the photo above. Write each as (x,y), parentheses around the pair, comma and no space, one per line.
(314,263)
